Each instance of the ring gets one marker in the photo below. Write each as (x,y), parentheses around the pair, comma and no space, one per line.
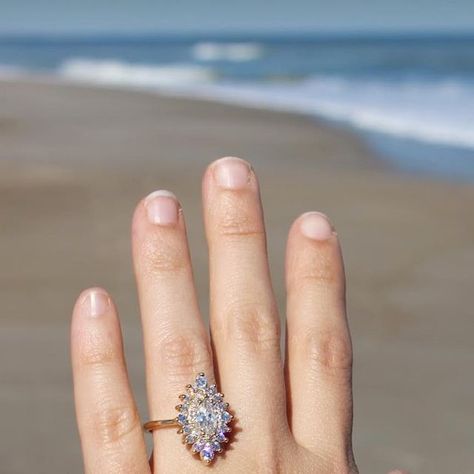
(203,419)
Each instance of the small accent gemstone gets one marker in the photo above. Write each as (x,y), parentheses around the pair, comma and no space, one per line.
(226,417)
(191,438)
(197,446)
(207,453)
(201,381)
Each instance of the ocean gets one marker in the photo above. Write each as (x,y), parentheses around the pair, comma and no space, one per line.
(410,97)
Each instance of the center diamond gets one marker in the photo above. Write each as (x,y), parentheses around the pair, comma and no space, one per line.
(205,417)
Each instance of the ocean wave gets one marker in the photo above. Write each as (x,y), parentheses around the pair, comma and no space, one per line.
(112,72)
(235,52)
(437,111)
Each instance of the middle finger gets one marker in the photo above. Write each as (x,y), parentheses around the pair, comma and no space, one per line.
(244,319)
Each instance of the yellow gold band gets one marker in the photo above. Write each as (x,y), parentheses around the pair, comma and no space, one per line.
(157,424)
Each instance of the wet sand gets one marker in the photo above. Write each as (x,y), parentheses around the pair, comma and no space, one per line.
(75,160)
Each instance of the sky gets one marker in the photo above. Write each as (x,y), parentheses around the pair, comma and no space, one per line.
(218,16)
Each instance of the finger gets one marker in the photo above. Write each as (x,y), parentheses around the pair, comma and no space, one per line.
(319,346)
(109,425)
(176,342)
(244,320)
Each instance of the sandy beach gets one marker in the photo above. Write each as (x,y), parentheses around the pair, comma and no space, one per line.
(75,160)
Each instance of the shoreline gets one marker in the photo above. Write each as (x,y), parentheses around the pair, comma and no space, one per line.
(401,154)
(363,153)
(74,161)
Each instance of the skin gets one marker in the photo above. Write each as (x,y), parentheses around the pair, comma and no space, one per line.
(305,425)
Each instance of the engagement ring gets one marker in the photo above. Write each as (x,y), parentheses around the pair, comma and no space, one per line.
(203,419)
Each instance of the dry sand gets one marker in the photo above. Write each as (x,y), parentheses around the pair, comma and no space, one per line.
(75,160)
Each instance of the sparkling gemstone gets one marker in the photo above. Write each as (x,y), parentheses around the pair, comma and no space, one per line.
(191,438)
(216,446)
(181,418)
(201,381)
(200,396)
(205,417)
(197,446)
(226,417)
(207,453)
(221,437)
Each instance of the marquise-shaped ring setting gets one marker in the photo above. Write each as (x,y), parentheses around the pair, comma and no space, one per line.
(204,418)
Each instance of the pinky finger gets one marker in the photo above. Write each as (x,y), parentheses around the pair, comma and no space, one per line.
(109,426)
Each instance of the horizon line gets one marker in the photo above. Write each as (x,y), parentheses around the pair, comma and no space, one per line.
(247,34)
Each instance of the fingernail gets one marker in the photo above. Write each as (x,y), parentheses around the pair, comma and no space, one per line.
(162,208)
(96,303)
(316,225)
(232,173)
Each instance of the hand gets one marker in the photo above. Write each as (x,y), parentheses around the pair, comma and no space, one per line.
(290,417)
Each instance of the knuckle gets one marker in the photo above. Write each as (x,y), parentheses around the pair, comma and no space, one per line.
(238,221)
(95,352)
(321,271)
(164,256)
(330,351)
(251,325)
(113,423)
(317,268)
(183,354)
(230,230)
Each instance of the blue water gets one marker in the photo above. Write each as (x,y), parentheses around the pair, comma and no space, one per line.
(411,97)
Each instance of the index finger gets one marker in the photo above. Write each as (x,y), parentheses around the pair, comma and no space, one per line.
(109,425)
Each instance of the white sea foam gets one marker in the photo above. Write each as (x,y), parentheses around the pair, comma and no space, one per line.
(235,52)
(439,112)
(111,72)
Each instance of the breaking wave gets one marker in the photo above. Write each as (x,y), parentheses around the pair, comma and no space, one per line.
(235,52)
(112,72)
(434,111)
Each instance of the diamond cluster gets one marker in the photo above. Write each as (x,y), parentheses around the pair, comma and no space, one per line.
(204,418)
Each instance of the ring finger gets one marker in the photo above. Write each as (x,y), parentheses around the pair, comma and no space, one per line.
(175,339)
